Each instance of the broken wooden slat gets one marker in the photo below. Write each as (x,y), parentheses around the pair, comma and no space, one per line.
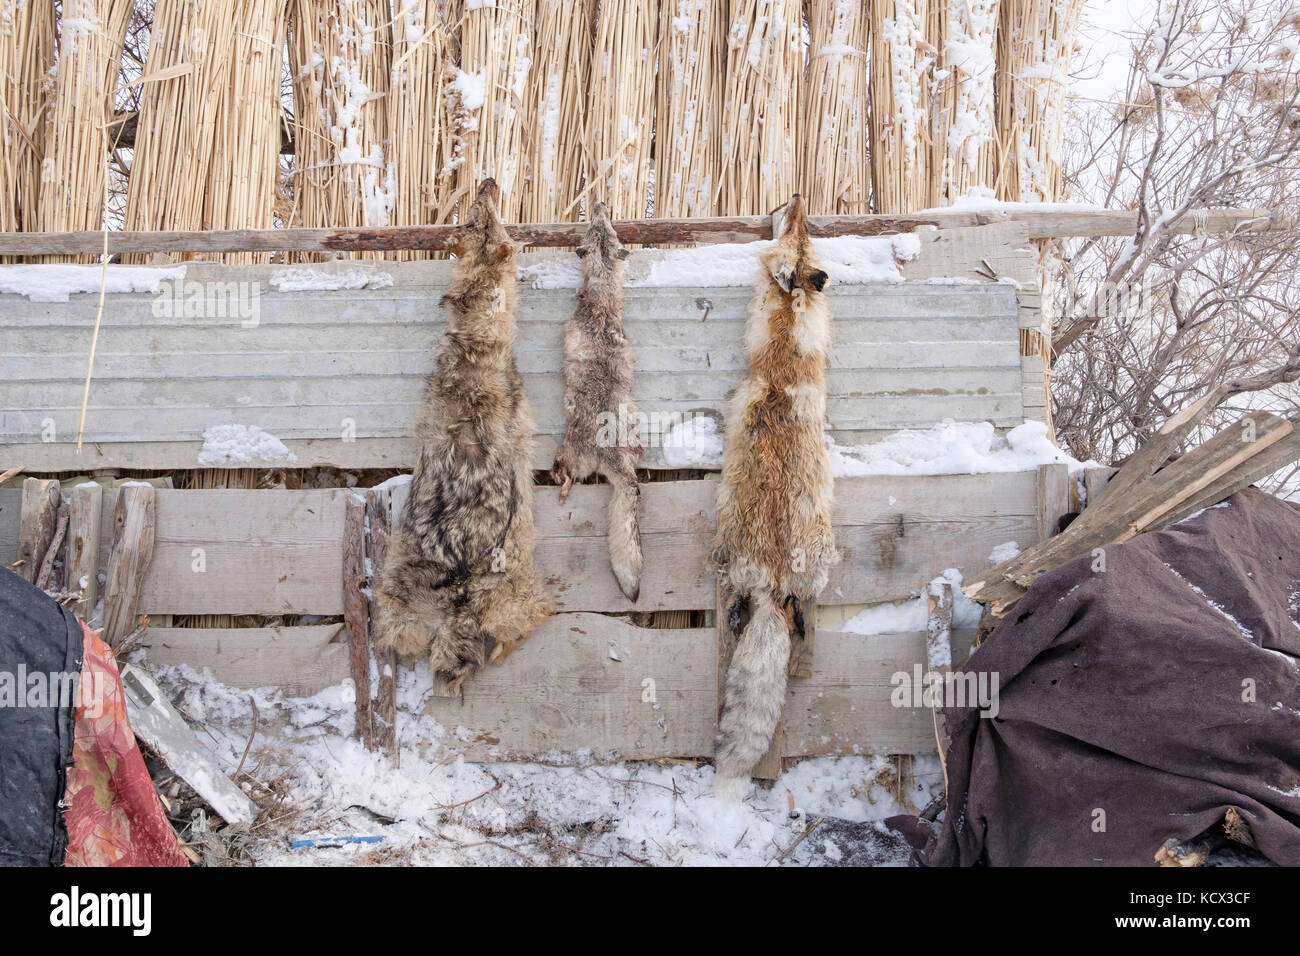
(40,508)
(355,614)
(44,577)
(1053,498)
(155,721)
(134,521)
(81,555)
(938,652)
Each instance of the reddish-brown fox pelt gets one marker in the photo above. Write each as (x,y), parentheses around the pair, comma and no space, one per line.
(598,383)
(774,542)
(459,584)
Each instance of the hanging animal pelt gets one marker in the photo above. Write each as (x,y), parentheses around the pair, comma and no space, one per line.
(603,433)
(774,542)
(459,584)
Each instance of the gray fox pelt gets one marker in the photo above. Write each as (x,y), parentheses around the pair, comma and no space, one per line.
(774,540)
(459,584)
(598,382)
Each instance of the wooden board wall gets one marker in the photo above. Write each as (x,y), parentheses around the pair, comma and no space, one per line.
(906,355)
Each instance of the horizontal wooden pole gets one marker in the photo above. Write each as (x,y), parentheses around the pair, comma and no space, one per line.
(1040,224)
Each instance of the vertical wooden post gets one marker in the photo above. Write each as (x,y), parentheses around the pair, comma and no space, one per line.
(133,533)
(938,652)
(354,612)
(40,509)
(81,552)
(1053,498)
(384,719)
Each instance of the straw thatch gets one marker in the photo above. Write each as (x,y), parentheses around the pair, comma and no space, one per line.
(340,54)
(688,106)
(964,154)
(620,106)
(419,144)
(208,140)
(903,52)
(489,125)
(1035,40)
(834,172)
(760,103)
(556,112)
(26,57)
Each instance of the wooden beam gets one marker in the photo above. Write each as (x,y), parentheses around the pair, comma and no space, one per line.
(1041,224)
(81,554)
(354,612)
(384,717)
(134,521)
(40,511)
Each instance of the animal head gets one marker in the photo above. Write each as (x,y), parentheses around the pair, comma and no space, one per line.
(600,248)
(482,238)
(792,262)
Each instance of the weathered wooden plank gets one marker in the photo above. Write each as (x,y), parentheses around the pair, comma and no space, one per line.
(273,551)
(1053,497)
(355,614)
(134,527)
(593,683)
(81,560)
(302,661)
(40,506)
(157,723)
(11,508)
(845,706)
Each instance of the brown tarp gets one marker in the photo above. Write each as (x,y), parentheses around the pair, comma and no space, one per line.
(1138,703)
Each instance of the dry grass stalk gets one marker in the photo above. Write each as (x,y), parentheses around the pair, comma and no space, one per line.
(964,142)
(760,102)
(340,55)
(208,140)
(620,106)
(834,172)
(688,107)
(419,140)
(556,108)
(903,52)
(1035,40)
(77,142)
(487,104)
(27,30)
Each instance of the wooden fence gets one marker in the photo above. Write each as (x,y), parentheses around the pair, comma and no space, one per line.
(907,354)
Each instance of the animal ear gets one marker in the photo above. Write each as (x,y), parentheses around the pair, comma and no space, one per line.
(818,280)
(622,253)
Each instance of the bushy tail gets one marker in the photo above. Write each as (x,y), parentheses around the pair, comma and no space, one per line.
(625,536)
(755,695)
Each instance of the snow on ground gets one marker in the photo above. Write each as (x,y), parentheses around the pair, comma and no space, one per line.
(434,808)
(952,448)
(847,259)
(693,442)
(54,283)
(231,444)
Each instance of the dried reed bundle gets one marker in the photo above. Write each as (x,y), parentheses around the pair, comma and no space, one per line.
(688,106)
(555,107)
(760,103)
(340,56)
(1034,43)
(964,151)
(77,139)
(27,32)
(620,106)
(419,140)
(834,172)
(903,54)
(487,99)
(208,139)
